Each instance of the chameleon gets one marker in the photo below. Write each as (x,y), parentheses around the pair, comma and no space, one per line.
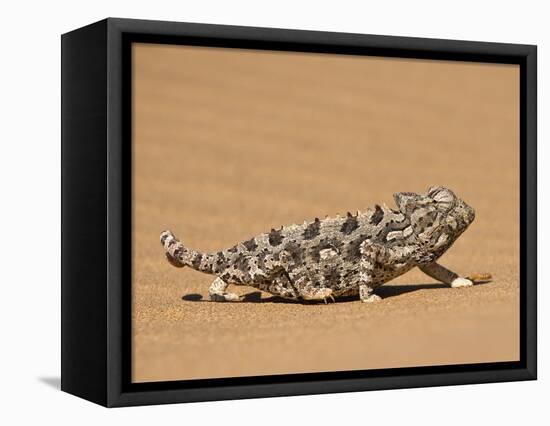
(339,256)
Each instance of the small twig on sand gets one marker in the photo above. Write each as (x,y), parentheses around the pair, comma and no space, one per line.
(480,278)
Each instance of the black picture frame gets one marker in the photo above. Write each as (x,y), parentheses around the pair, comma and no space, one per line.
(96,211)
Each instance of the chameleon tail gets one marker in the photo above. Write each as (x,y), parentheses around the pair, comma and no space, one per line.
(176,253)
(179,255)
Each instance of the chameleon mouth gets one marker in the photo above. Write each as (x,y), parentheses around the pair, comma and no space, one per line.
(468,213)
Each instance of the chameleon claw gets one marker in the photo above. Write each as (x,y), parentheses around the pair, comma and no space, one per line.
(329,297)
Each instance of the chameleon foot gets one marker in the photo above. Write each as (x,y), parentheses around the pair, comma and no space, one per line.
(224,297)
(461,282)
(317,294)
(366,294)
(371,299)
(218,294)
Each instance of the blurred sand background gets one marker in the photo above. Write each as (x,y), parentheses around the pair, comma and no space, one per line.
(229,143)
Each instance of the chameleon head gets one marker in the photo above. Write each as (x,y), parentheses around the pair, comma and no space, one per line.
(438,215)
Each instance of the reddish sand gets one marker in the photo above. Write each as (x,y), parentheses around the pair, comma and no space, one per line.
(229,143)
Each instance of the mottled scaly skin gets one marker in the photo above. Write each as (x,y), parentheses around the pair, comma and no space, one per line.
(349,255)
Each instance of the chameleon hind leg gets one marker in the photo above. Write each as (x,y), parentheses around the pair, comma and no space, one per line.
(297,285)
(279,285)
(217,292)
(307,291)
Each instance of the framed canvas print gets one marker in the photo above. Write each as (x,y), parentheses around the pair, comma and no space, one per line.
(251,212)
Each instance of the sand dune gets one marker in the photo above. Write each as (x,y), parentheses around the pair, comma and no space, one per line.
(229,143)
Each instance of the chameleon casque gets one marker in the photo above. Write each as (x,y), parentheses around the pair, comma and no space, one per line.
(338,256)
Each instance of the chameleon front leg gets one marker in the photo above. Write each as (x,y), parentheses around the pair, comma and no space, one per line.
(377,258)
(366,292)
(372,255)
(217,292)
(440,273)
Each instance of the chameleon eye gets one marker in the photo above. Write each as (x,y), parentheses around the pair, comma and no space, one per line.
(444,196)
(444,199)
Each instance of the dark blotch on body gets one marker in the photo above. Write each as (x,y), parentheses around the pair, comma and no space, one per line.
(221,262)
(331,277)
(312,230)
(296,252)
(241,262)
(377,216)
(350,225)
(260,258)
(353,252)
(196,262)
(275,237)
(250,244)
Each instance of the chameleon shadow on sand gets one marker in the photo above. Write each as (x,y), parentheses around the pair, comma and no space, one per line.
(383,292)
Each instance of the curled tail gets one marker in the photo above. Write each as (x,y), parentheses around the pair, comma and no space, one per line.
(179,255)
(176,253)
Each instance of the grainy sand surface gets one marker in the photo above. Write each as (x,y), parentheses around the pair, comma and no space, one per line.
(229,143)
